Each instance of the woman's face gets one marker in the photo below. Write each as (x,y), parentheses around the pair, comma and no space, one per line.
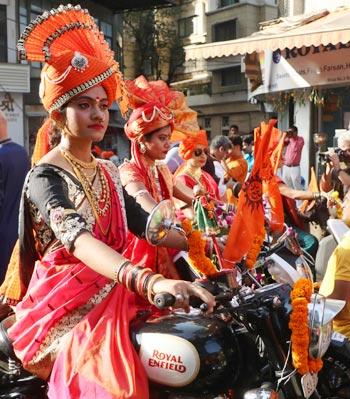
(87,115)
(158,144)
(199,156)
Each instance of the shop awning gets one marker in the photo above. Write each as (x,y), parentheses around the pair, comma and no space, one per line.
(325,27)
(119,6)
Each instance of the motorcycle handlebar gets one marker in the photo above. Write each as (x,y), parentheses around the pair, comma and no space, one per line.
(164,300)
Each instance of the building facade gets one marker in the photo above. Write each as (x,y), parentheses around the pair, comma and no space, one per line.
(19,82)
(217,88)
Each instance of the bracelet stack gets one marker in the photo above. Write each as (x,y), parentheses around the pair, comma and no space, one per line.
(137,279)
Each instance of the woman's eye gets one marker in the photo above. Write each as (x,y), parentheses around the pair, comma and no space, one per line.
(104,107)
(83,105)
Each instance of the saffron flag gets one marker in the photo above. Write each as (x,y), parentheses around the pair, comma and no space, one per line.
(313,186)
(248,226)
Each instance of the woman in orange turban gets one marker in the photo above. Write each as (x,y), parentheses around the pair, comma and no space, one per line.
(75,293)
(194,151)
(159,114)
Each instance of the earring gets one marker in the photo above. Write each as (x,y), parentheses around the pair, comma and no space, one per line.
(142,148)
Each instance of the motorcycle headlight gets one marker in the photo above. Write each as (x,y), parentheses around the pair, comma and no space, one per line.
(320,339)
(320,327)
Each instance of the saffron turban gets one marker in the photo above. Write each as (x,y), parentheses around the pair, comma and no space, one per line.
(155,106)
(188,145)
(76,57)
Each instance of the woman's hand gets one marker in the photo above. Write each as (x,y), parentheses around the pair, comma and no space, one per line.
(182,291)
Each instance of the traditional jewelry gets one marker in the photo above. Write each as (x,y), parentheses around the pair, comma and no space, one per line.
(142,148)
(99,202)
(150,285)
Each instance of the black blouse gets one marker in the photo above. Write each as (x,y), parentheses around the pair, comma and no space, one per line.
(54,211)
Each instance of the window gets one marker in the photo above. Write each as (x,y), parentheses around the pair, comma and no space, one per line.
(231,76)
(224,31)
(225,125)
(225,3)
(107,30)
(185,26)
(207,127)
(36,8)
(3,34)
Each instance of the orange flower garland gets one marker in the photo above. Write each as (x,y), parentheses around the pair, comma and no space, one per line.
(196,250)
(299,325)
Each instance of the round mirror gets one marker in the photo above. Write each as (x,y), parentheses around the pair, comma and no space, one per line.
(160,221)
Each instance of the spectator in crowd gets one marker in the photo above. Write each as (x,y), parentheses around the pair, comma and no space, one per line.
(234,130)
(219,149)
(14,165)
(336,282)
(291,169)
(337,174)
(248,145)
(115,157)
(173,159)
(237,166)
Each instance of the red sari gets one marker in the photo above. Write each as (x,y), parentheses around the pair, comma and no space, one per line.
(73,323)
(158,181)
(206,181)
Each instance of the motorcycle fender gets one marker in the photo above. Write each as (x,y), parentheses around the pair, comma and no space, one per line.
(168,359)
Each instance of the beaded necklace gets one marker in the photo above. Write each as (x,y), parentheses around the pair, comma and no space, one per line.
(195,174)
(99,203)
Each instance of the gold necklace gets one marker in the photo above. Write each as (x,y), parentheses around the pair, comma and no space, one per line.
(195,174)
(86,165)
(91,193)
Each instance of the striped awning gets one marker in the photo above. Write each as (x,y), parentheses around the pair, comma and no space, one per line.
(323,28)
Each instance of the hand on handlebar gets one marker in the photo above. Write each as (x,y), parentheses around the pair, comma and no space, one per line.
(182,290)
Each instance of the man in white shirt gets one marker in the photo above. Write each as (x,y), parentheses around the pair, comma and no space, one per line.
(219,147)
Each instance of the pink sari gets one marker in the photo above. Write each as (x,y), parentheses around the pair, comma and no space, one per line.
(73,324)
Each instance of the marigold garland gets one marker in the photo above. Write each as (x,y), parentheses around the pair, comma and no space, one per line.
(196,250)
(299,325)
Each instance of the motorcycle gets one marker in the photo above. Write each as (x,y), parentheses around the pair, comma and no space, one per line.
(241,350)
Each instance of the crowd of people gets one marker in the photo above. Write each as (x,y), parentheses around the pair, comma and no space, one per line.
(81,268)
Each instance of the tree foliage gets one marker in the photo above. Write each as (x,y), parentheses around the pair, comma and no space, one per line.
(158,50)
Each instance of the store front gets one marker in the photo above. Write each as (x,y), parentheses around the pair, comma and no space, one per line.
(299,67)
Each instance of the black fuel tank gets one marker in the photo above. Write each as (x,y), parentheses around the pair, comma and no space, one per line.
(187,350)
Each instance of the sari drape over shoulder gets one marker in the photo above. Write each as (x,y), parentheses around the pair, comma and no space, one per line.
(73,324)
(158,181)
(206,181)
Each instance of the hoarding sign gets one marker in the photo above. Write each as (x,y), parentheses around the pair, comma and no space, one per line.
(304,67)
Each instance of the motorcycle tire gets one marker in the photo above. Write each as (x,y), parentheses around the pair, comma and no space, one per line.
(334,378)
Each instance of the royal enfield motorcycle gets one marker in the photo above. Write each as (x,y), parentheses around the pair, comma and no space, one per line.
(241,350)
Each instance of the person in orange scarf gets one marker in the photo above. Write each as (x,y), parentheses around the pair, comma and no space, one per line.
(248,231)
(194,151)
(236,166)
(75,292)
(159,114)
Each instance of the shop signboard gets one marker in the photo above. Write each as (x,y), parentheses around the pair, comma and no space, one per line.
(11,104)
(304,67)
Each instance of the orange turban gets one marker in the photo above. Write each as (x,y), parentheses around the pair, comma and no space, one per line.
(155,106)
(188,145)
(75,54)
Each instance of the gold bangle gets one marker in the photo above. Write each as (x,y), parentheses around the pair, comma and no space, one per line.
(118,270)
(150,292)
